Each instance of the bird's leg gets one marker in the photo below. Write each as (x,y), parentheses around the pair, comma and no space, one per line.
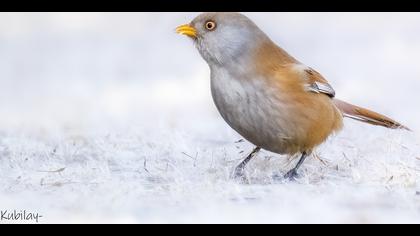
(239,170)
(292,174)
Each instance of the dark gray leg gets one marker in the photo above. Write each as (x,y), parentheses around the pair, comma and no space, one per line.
(292,174)
(239,170)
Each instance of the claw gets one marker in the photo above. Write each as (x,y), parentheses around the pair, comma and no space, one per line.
(292,175)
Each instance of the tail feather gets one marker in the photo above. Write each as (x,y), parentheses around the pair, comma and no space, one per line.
(367,116)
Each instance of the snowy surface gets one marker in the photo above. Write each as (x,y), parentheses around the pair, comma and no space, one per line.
(107,118)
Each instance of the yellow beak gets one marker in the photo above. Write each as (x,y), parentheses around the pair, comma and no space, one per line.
(187,30)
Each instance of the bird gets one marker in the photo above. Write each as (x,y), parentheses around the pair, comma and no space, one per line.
(271,99)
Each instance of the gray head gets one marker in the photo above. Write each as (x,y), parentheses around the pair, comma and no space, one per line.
(222,38)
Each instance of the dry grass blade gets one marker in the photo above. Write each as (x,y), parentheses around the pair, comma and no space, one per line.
(320,159)
(53,171)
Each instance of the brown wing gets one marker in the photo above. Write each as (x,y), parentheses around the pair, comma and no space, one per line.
(319,84)
(314,82)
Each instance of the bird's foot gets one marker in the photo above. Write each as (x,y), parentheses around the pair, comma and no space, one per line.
(239,175)
(292,175)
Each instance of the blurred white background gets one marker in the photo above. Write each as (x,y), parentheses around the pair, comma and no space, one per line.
(124,88)
(57,67)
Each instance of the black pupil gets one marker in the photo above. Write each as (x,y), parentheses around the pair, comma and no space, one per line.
(209,25)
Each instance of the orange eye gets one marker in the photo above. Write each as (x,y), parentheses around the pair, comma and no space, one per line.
(210,25)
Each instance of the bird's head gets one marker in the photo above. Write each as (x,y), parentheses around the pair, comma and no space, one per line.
(222,38)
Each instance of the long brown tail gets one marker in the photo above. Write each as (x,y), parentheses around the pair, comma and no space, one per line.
(367,116)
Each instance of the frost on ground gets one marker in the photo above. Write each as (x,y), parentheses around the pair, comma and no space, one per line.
(104,119)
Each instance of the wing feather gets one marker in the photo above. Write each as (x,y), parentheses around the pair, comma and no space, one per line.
(316,83)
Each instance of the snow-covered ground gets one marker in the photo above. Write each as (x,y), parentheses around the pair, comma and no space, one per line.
(107,117)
